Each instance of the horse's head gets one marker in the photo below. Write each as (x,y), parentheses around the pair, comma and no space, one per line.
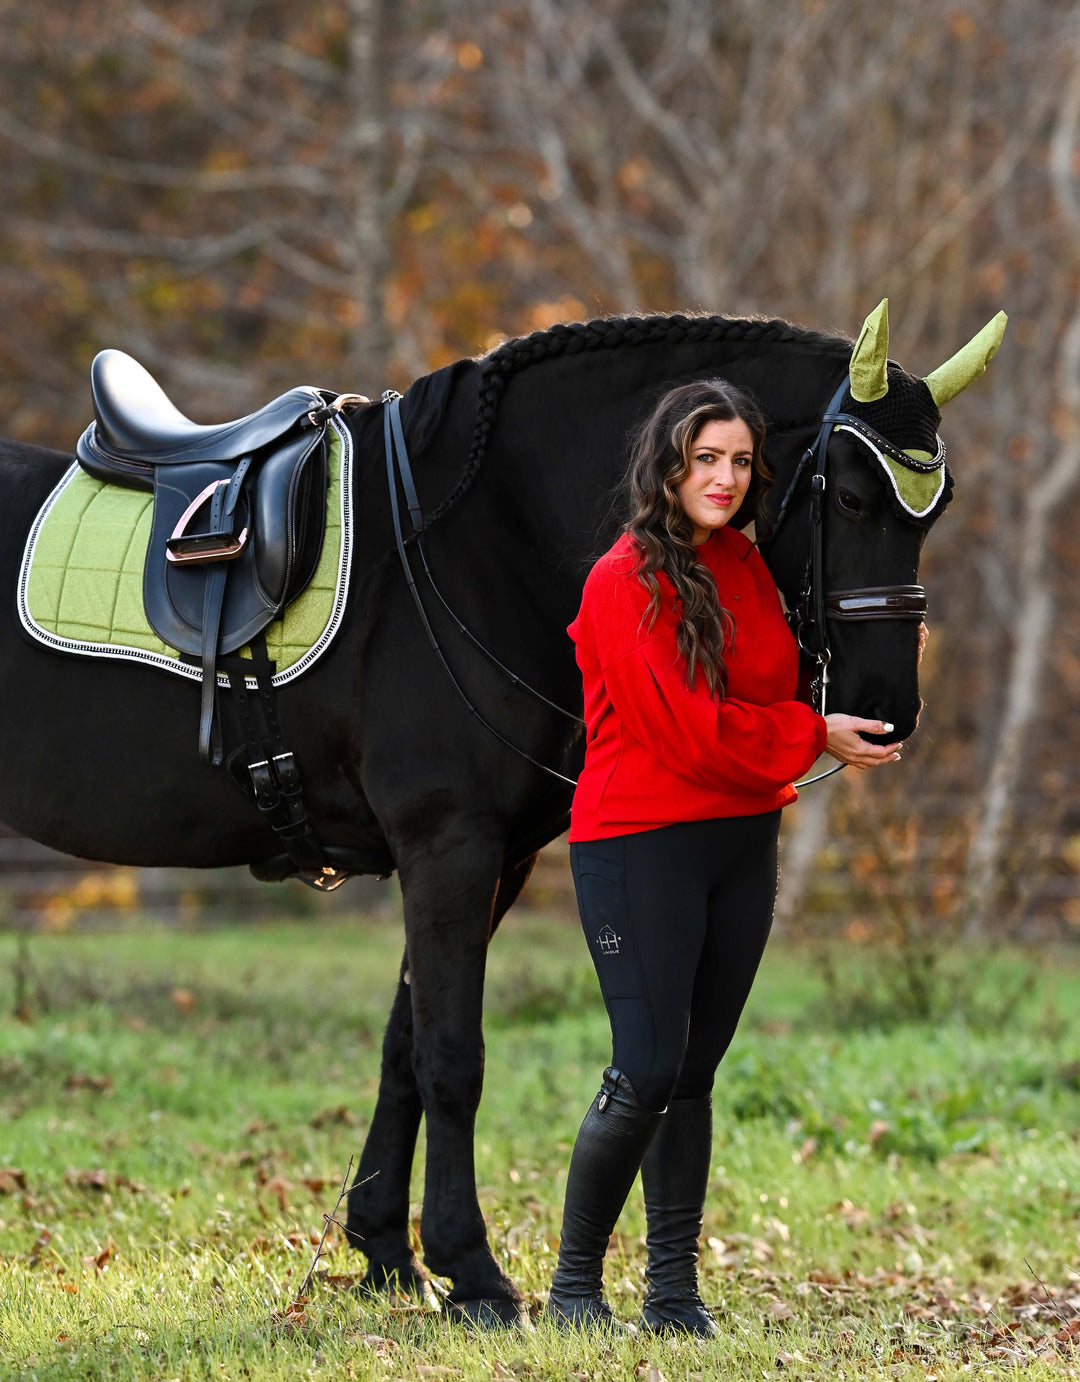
(866,495)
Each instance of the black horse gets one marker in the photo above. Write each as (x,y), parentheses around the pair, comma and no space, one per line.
(515,457)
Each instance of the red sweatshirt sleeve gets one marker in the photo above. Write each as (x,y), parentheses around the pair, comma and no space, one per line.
(719,743)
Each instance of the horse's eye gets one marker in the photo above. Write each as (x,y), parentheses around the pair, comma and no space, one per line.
(849,501)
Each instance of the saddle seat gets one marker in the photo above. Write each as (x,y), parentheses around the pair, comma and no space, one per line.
(136,416)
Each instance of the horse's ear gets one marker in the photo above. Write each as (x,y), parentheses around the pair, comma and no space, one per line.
(869,379)
(968,363)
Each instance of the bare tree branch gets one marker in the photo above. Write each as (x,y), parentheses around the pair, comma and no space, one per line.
(187,249)
(301,176)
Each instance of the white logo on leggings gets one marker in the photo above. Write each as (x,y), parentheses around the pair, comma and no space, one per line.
(608,941)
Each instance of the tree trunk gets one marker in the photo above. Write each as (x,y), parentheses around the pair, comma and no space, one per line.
(1034,602)
(369,356)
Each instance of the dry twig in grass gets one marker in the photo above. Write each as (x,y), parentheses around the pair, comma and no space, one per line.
(328,1219)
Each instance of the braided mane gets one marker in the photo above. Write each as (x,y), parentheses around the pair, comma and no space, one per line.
(570,338)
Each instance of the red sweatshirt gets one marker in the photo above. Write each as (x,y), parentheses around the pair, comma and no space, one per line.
(657,751)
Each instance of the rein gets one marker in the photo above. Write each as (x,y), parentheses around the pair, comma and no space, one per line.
(809,619)
(397,464)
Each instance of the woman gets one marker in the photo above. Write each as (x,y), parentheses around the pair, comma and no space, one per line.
(694,737)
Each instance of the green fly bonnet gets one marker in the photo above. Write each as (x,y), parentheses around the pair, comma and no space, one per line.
(895,416)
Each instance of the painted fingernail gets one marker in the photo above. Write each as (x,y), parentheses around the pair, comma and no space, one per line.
(886,729)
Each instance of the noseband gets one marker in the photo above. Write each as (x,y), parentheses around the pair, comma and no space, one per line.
(815,606)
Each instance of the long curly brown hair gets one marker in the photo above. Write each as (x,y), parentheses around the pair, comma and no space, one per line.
(662,533)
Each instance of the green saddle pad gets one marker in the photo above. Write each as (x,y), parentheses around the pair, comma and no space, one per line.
(80,588)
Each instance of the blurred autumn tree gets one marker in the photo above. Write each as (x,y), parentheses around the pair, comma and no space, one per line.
(248,195)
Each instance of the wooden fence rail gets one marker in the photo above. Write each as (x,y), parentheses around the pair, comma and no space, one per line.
(42,888)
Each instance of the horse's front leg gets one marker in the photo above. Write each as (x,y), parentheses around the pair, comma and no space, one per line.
(378,1219)
(378,1214)
(449,896)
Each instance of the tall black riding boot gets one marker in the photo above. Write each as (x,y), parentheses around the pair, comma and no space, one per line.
(674,1177)
(613,1138)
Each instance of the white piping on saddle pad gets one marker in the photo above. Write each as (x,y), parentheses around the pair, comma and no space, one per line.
(938,462)
(173,664)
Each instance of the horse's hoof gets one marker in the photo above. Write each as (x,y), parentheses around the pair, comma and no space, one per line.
(499,1313)
(380,1281)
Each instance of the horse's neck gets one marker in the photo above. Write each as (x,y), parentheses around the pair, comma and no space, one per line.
(559,444)
(792,380)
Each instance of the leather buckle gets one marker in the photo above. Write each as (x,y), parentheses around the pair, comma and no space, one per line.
(318,416)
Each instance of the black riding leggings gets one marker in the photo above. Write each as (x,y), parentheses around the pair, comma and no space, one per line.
(676,920)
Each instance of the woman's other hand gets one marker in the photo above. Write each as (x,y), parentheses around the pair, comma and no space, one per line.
(924,634)
(846,743)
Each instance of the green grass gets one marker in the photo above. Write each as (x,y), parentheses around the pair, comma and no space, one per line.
(881,1202)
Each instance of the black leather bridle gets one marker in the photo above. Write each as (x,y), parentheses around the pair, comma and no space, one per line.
(816,606)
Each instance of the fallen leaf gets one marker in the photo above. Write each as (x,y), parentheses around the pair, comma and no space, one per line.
(381,1347)
(101,1083)
(279,1186)
(11,1180)
(878,1129)
(853,1216)
(89,1179)
(99,1260)
(338,1114)
(780,1310)
(183,1001)
(725,1256)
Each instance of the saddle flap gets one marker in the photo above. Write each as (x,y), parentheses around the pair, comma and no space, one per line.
(288,514)
(282,504)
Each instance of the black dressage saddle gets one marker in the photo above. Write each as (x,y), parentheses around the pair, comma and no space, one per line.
(239,509)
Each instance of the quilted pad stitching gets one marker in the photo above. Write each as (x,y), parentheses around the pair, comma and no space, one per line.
(289,639)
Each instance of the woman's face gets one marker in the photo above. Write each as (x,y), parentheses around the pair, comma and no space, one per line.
(721,467)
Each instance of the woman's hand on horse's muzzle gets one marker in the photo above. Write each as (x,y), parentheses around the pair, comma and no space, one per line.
(845,741)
